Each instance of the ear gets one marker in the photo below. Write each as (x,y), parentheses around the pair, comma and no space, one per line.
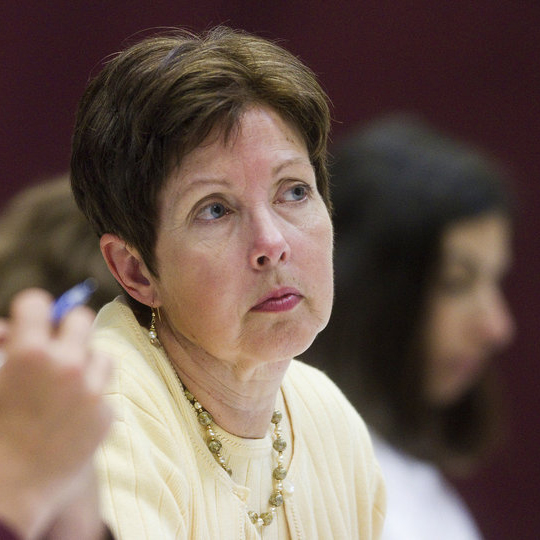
(129,269)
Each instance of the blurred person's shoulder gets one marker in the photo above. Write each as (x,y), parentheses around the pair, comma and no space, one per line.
(419,498)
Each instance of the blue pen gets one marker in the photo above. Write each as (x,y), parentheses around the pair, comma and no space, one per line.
(77,295)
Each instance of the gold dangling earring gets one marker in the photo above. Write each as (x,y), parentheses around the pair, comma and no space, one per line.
(152,332)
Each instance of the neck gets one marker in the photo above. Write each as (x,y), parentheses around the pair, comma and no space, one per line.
(240,397)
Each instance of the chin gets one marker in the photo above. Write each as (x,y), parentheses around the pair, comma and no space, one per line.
(285,342)
(453,393)
(276,354)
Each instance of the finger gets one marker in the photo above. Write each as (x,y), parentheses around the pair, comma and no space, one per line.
(30,318)
(76,326)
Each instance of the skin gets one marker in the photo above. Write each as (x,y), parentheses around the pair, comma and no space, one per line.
(468,317)
(52,417)
(244,256)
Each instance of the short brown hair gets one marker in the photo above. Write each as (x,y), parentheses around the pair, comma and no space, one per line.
(159,99)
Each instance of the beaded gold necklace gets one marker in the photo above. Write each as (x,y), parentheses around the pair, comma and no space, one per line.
(215,446)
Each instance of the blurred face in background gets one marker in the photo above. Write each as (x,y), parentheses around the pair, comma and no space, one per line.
(468,319)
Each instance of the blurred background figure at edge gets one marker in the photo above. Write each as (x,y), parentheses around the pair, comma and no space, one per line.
(47,242)
(51,414)
(423,229)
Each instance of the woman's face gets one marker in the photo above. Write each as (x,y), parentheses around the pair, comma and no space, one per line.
(468,319)
(244,248)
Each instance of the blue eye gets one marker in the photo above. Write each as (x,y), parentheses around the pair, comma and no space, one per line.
(213,211)
(217,210)
(297,193)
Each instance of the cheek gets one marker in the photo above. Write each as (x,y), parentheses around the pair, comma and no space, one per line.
(446,330)
(198,286)
(326,280)
(318,266)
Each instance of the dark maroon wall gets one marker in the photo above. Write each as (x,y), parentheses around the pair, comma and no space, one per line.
(470,67)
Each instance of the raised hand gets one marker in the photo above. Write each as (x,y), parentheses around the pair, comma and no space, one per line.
(52,417)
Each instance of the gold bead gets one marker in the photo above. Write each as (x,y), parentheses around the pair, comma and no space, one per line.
(253,516)
(205,418)
(214,446)
(267,518)
(276,417)
(276,499)
(279,472)
(279,444)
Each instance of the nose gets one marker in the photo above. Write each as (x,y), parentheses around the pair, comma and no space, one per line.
(497,323)
(268,244)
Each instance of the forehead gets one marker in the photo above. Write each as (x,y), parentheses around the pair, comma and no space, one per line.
(260,139)
(482,240)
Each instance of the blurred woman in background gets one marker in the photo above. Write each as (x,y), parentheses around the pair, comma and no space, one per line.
(46,242)
(423,242)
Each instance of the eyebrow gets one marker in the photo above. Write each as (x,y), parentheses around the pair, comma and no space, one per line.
(221,182)
(470,263)
(300,160)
